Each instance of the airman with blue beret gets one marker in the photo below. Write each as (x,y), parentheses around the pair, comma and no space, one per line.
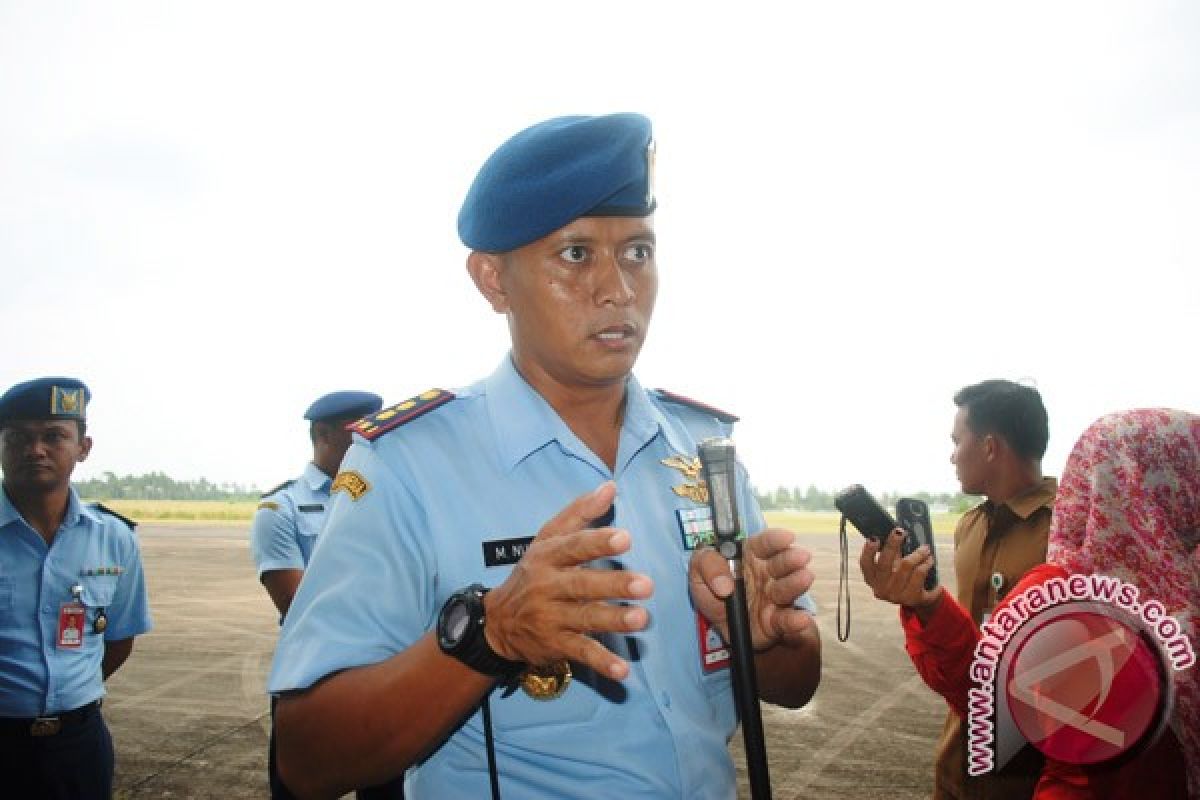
(569,490)
(290,517)
(72,598)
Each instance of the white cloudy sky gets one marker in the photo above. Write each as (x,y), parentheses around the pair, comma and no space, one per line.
(214,212)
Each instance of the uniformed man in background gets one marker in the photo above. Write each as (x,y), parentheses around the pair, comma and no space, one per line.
(605,627)
(1000,434)
(72,599)
(290,518)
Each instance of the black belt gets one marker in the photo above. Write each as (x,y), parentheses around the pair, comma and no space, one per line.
(50,724)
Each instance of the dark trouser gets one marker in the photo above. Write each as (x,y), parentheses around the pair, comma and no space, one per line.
(392,790)
(75,763)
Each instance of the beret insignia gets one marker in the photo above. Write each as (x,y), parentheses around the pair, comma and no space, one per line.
(373,426)
(351,483)
(671,397)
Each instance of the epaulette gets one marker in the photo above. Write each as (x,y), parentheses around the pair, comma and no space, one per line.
(671,397)
(106,510)
(275,489)
(372,426)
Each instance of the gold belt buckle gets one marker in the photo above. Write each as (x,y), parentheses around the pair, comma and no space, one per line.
(45,726)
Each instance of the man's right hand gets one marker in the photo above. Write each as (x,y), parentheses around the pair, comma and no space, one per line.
(550,605)
(900,580)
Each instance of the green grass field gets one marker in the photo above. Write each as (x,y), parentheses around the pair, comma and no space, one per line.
(827,521)
(215,512)
(205,512)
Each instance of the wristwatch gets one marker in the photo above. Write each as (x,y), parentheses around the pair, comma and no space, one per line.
(460,634)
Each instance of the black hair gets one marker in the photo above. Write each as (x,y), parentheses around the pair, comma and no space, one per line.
(1009,410)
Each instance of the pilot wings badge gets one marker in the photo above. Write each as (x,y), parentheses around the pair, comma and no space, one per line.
(696,489)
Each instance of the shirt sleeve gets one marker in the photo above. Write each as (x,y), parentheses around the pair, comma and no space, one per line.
(129,613)
(942,649)
(367,592)
(753,521)
(273,540)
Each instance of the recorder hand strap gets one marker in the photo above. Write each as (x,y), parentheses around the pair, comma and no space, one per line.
(843,583)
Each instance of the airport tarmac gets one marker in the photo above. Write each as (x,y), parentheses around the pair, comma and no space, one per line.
(189,717)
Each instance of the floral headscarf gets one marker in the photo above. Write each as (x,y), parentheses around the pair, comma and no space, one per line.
(1128,505)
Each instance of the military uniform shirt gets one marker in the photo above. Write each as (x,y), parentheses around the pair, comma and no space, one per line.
(92,549)
(495,464)
(288,521)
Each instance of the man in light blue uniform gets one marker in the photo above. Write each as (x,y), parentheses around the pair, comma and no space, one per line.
(72,599)
(291,516)
(288,522)
(605,629)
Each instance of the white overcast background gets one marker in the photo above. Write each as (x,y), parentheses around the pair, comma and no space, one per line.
(214,212)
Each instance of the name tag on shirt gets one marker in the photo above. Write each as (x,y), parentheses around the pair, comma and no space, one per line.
(311,507)
(503,552)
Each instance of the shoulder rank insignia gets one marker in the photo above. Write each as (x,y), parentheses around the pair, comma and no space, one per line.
(106,510)
(351,483)
(268,505)
(671,397)
(372,426)
(275,489)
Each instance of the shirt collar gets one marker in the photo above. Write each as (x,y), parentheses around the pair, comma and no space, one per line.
(1039,496)
(314,477)
(9,512)
(75,508)
(524,422)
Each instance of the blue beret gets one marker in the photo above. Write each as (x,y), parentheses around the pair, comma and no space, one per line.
(555,172)
(342,405)
(46,398)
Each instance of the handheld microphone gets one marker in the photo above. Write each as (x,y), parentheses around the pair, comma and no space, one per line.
(720,472)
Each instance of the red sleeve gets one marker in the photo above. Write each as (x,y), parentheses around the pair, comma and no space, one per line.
(942,649)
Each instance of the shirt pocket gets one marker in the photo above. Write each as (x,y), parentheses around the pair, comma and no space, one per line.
(98,591)
(580,704)
(309,524)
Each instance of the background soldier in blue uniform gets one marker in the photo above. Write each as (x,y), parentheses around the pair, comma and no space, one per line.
(72,598)
(601,625)
(290,518)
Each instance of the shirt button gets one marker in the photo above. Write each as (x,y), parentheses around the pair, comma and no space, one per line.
(666,700)
(46,609)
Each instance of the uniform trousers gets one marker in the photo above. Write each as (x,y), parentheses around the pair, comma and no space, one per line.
(73,763)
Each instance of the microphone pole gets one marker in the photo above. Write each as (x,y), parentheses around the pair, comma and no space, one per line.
(720,470)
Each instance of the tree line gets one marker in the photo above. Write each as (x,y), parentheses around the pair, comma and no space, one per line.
(159,486)
(814,499)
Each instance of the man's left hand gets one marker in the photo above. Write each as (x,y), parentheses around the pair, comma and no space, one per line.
(776,573)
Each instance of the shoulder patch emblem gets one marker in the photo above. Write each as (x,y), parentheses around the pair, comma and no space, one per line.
(275,489)
(671,397)
(106,510)
(268,505)
(351,483)
(373,426)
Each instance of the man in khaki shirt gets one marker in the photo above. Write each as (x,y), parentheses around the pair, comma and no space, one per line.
(1000,434)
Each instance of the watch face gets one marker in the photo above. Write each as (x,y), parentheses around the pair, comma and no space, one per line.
(455,618)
